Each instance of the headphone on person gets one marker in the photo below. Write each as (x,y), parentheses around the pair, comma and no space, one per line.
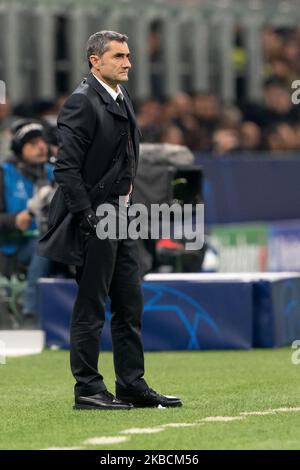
(23,131)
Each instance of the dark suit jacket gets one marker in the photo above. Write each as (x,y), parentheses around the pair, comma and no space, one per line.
(93,136)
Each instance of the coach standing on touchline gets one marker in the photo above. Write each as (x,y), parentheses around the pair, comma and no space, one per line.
(97,162)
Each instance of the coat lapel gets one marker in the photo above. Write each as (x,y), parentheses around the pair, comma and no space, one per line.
(132,118)
(111,105)
(129,106)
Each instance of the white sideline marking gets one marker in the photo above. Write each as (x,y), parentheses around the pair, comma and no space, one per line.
(179,425)
(64,448)
(208,419)
(271,411)
(142,430)
(257,413)
(105,440)
(157,429)
(286,409)
(221,418)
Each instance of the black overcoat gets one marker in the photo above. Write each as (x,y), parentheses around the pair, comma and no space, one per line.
(93,136)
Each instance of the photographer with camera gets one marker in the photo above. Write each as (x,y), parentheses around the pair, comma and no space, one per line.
(25,185)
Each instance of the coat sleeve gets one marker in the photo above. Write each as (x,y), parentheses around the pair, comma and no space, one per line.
(7,221)
(76,126)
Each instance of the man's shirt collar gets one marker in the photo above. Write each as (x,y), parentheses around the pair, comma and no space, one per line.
(112,92)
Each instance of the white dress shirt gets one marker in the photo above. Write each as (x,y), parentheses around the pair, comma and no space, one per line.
(110,90)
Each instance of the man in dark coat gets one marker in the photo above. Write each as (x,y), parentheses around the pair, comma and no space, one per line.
(97,162)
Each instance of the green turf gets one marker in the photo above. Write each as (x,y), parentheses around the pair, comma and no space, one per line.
(36,402)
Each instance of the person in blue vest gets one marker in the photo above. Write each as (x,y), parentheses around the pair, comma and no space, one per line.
(21,177)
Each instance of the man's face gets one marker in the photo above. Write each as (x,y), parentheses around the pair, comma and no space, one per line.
(35,151)
(113,66)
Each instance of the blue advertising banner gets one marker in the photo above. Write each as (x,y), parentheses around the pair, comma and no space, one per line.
(276,311)
(194,311)
(247,188)
(177,315)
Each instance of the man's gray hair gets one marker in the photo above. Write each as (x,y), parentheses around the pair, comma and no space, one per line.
(98,42)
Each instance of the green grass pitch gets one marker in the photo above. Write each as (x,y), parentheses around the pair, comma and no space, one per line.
(37,399)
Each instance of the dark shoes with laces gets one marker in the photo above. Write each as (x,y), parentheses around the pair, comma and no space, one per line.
(125,400)
(101,401)
(146,398)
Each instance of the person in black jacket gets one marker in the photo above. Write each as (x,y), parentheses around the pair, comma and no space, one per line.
(21,176)
(97,162)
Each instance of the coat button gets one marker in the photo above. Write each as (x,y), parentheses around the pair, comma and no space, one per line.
(101,186)
(117,181)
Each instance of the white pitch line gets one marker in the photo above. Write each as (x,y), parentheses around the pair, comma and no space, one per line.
(142,430)
(271,411)
(221,418)
(257,413)
(179,425)
(105,440)
(209,419)
(286,409)
(63,448)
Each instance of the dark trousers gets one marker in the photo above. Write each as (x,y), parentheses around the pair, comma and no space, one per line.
(110,270)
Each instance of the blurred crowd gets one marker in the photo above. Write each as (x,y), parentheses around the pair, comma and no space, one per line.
(202,121)
(204,124)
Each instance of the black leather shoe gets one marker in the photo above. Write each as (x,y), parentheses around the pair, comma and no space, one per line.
(147,399)
(101,401)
